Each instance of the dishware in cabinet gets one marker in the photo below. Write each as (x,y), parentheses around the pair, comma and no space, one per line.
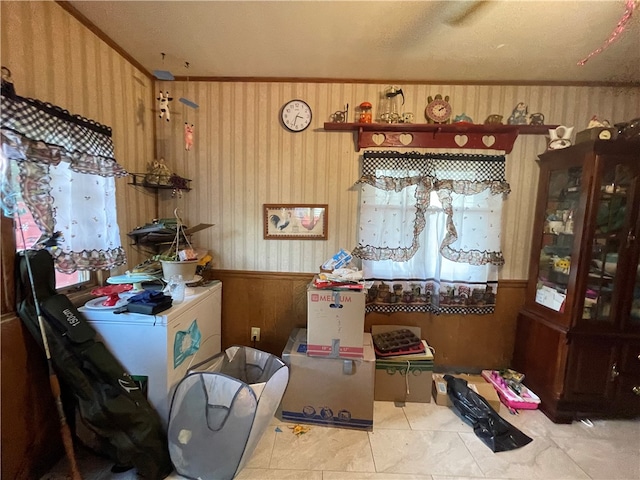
(581,319)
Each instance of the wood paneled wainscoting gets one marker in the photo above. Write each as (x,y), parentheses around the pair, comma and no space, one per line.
(277,303)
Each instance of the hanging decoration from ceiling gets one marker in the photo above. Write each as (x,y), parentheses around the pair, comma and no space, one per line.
(186,101)
(188,135)
(163,103)
(630,6)
(188,127)
(163,74)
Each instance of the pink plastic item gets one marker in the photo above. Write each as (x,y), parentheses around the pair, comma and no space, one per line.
(527,400)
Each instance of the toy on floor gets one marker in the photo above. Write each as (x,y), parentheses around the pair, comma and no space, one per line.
(525,399)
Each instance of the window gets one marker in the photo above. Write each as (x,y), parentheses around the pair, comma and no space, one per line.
(429,236)
(58,182)
(27,235)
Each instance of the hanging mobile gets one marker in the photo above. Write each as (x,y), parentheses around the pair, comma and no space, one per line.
(163,104)
(186,101)
(163,74)
(188,127)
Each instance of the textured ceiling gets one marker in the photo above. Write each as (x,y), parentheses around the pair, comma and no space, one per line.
(427,41)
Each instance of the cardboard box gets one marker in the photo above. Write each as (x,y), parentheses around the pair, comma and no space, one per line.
(401,379)
(476,382)
(333,392)
(335,322)
(408,381)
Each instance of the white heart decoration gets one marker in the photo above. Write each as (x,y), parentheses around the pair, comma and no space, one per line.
(461,140)
(488,140)
(405,139)
(378,138)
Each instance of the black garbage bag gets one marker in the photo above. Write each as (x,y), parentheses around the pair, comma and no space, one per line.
(494,431)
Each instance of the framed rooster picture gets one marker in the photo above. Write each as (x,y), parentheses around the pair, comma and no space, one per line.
(295,221)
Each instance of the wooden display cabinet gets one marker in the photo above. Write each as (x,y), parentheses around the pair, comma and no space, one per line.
(578,334)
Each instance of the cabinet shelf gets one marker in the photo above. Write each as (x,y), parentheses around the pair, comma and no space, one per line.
(421,135)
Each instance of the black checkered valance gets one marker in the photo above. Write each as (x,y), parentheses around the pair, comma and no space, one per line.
(440,166)
(35,129)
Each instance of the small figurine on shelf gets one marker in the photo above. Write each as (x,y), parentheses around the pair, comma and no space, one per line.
(462,118)
(560,137)
(594,123)
(493,119)
(341,115)
(519,115)
(157,173)
(407,117)
(365,113)
(562,264)
(536,119)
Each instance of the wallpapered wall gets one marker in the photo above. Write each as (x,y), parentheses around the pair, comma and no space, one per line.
(244,158)
(54,58)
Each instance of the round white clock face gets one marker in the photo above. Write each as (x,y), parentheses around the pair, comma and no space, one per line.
(296,115)
(438,111)
(604,135)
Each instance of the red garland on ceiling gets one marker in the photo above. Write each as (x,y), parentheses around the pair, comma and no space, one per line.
(622,24)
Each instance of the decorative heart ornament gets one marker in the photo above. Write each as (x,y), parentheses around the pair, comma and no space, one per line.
(488,140)
(405,139)
(378,138)
(461,140)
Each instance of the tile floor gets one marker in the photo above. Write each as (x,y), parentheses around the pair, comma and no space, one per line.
(427,442)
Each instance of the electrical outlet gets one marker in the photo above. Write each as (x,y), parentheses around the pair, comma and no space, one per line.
(255,334)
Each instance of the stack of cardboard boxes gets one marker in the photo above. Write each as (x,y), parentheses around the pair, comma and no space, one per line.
(331,362)
(335,376)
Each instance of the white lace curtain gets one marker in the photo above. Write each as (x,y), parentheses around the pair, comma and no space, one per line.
(429,235)
(62,167)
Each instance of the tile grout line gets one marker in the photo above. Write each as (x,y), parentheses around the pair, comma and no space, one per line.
(475,460)
(550,437)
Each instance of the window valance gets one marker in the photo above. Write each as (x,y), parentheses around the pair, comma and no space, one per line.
(49,134)
(61,168)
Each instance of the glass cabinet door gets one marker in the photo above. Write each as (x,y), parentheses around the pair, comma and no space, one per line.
(602,296)
(634,318)
(557,237)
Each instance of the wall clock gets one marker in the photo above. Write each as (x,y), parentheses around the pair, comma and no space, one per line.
(438,109)
(296,115)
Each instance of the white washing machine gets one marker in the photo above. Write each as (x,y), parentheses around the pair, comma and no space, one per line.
(157,350)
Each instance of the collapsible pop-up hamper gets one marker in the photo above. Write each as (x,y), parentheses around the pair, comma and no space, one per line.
(221,409)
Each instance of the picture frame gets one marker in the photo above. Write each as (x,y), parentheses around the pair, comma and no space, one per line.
(293,221)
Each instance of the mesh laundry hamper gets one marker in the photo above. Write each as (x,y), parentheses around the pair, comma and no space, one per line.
(221,409)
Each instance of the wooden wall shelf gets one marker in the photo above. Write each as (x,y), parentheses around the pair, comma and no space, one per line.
(426,135)
(138,179)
